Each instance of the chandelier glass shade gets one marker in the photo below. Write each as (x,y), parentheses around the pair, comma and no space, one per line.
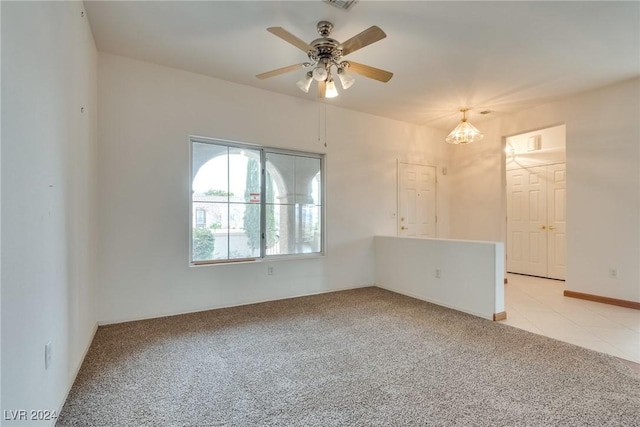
(465,132)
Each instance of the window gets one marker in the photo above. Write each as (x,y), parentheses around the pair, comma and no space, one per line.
(251,202)
(201,218)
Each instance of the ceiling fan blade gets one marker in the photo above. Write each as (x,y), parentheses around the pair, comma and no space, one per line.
(290,38)
(371,72)
(365,38)
(279,71)
(322,89)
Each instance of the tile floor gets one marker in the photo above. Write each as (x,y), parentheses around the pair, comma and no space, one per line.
(538,305)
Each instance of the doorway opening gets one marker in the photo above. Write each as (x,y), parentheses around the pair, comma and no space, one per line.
(536,188)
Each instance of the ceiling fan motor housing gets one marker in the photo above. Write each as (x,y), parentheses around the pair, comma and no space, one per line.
(325,49)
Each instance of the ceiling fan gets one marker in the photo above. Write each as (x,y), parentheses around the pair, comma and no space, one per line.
(325,55)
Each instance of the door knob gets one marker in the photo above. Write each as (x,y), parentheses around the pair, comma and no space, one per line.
(551,227)
(404,228)
(543,227)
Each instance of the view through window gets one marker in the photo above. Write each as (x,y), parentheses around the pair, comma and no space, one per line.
(252,202)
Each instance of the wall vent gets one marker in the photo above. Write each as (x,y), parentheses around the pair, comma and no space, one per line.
(342,4)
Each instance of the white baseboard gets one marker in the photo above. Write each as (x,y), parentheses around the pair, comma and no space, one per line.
(157,316)
(436,302)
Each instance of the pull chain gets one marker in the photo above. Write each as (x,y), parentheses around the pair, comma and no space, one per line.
(322,125)
(325,125)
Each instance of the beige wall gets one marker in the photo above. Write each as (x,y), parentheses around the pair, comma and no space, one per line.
(146,114)
(477,175)
(603,185)
(49,146)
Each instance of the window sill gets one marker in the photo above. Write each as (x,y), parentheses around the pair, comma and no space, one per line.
(277,258)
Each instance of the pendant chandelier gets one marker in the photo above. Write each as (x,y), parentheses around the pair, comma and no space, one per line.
(465,132)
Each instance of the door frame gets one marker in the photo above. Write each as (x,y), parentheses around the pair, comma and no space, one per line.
(505,158)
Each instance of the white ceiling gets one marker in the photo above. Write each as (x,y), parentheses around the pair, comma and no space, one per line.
(499,56)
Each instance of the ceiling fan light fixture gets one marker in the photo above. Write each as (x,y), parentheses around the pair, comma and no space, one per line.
(465,132)
(325,58)
(331,92)
(346,79)
(305,82)
(320,72)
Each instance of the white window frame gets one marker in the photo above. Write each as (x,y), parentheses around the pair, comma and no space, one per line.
(263,150)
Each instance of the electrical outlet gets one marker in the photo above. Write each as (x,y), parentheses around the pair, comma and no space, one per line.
(613,273)
(47,355)
(438,273)
(270,270)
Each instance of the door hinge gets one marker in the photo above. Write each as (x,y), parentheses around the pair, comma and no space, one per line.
(263,236)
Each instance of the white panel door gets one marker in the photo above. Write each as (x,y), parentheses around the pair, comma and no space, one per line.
(536,221)
(556,220)
(417,200)
(526,221)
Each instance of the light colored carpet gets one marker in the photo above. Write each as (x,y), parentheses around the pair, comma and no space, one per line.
(366,357)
